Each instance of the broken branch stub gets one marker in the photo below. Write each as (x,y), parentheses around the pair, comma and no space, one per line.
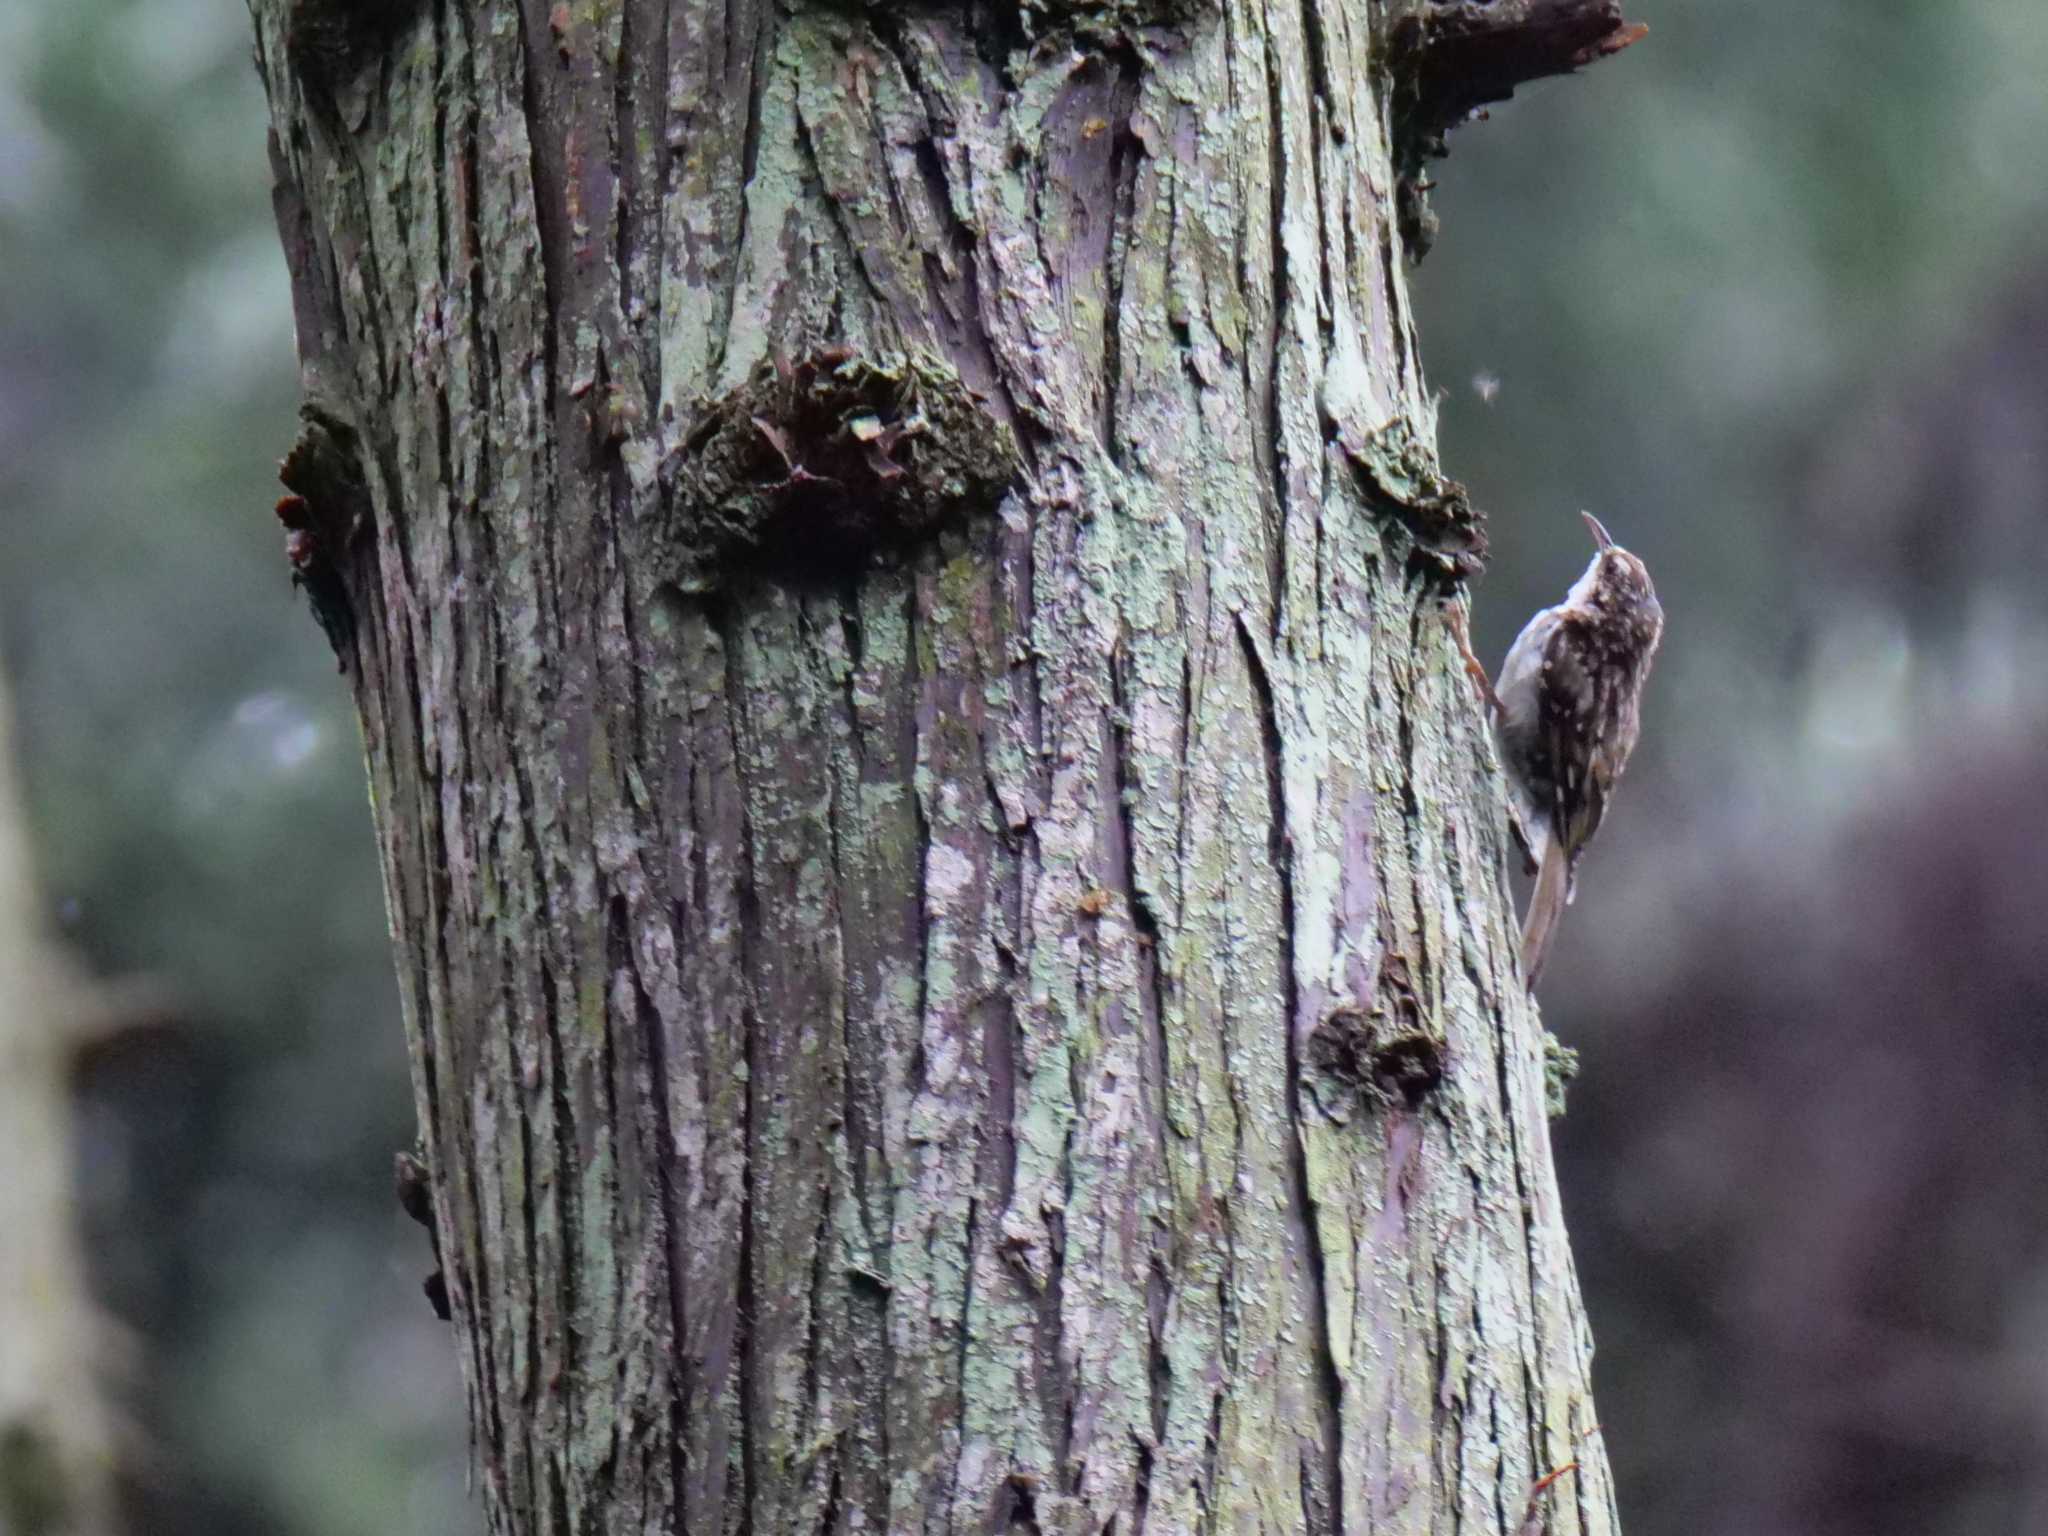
(819,463)
(325,466)
(329,42)
(325,514)
(1449,58)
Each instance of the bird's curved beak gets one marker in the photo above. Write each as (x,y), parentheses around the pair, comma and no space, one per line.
(1601,536)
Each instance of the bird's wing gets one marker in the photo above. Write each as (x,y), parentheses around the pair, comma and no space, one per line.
(1569,712)
(1519,721)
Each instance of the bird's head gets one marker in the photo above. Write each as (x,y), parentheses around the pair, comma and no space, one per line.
(1616,581)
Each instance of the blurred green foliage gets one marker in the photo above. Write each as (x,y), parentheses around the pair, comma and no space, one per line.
(1675,290)
(197,793)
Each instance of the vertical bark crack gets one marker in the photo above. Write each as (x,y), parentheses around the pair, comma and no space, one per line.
(549,181)
(1301,1207)
(726,624)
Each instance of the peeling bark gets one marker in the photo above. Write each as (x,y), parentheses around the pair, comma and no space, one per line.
(864,1009)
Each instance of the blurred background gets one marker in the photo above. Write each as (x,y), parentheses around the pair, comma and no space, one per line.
(197,811)
(1769,293)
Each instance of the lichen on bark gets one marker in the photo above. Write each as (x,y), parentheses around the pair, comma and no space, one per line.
(863,1016)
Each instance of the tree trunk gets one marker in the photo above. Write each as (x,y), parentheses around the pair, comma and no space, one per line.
(57,1454)
(947,879)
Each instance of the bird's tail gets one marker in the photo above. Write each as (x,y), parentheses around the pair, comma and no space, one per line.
(1546,906)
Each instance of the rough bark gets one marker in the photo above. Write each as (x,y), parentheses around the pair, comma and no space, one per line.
(947,879)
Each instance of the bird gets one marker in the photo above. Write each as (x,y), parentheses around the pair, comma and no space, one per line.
(1567,707)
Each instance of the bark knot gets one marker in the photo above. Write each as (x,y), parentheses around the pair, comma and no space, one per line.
(1560,1067)
(330,42)
(410,1178)
(1401,474)
(1385,1054)
(815,464)
(325,510)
